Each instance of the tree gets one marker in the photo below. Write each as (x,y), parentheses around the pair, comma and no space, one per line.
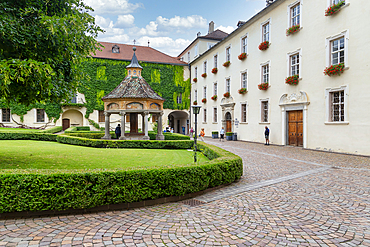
(42,42)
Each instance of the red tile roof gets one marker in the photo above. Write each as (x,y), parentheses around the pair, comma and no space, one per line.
(143,53)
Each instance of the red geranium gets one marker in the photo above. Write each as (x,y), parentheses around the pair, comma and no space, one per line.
(243,90)
(263,86)
(214,97)
(292,80)
(334,69)
(195,102)
(242,56)
(334,8)
(227,95)
(293,29)
(264,45)
(204,100)
(195,80)
(214,70)
(204,75)
(226,64)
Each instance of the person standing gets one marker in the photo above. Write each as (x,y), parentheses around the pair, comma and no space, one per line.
(202,134)
(191,132)
(222,134)
(267,134)
(183,129)
(118,131)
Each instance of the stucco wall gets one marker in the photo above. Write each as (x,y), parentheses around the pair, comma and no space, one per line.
(349,137)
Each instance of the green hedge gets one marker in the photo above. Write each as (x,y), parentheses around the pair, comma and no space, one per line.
(77,128)
(60,191)
(27,136)
(100,134)
(53,130)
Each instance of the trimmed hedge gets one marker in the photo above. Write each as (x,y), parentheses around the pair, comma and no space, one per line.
(61,191)
(77,128)
(100,134)
(28,136)
(53,130)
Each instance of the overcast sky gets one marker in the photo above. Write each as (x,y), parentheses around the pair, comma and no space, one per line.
(169,25)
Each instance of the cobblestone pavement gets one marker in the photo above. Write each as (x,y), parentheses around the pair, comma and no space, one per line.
(287,197)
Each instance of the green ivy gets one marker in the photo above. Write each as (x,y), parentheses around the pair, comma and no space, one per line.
(103,75)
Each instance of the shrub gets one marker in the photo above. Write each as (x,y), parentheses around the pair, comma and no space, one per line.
(214,132)
(53,130)
(27,136)
(229,133)
(22,191)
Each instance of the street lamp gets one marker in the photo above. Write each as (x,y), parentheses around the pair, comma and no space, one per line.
(196,110)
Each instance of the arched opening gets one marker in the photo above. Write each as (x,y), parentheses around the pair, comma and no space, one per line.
(178,121)
(228,121)
(72,118)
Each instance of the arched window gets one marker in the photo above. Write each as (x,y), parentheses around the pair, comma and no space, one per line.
(115,49)
(134,72)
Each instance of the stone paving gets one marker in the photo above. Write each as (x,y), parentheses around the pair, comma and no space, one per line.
(287,197)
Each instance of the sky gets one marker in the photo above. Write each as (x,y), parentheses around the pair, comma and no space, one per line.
(169,25)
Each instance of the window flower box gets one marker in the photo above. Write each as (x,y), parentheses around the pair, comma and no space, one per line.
(334,8)
(214,97)
(243,90)
(263,86)
(214,70)
(195,80)
(293,29)
(195,102)
(226,64)
(264,45)
(292,80)
(204,75)
(227,95)
(242,56)
(334,69)
(204,100)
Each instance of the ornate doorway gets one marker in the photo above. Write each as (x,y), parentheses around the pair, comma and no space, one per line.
(228,122)
(295,128)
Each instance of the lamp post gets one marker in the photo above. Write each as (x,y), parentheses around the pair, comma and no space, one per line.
(196,110)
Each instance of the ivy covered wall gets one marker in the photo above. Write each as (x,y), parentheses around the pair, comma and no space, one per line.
(103,75)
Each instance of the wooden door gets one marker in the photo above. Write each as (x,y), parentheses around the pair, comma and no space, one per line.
(228,122)
(65,123)
(295,128)
(133,123)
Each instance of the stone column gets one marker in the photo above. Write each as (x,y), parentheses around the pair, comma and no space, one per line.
(142,122)
(146,136)
(123,125)
(107,125)
(160,135)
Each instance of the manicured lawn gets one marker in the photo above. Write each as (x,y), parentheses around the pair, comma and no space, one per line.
(26,154)
(16,130)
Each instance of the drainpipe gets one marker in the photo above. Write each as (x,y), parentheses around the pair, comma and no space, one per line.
(189,67)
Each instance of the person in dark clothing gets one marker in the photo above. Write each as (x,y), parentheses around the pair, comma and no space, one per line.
(267,133)
(118,131)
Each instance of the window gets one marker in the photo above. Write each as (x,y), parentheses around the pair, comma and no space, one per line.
(189,56)
(204,92)
(295,15)
(215,114)
(294,64)
(215,88)
(196,50)
(101,116)
(40,115)
(205,115)
(205,66)
(265,73)
(244,44)
(115,49)
(244,113)
(227,85)
(335,1)
(179,98)
(196,72)
(244,80)
(5,115)
(215,61)
(196,95)
(337,51)
(337,106)
(227,54)
(264,111)
(266,32)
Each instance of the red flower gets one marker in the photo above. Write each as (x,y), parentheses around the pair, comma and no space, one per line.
(195,102)
(264,45)
(204,75)
(334,8)
(204,100)
(263,86)
(227,95)
(242,56)
(226,64)
(214,70)
(214,97)
(293,29)
(334,69)
(243,90)
(195,80)
(292,80)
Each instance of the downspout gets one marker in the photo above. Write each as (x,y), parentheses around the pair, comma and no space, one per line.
(189,67)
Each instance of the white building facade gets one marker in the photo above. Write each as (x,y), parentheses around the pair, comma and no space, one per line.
(320,112)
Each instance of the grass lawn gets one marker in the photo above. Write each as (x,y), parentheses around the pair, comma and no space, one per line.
(16,130)
(27,154)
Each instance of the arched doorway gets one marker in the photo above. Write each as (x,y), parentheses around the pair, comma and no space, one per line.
(228,122)
(72,118)
(177,120)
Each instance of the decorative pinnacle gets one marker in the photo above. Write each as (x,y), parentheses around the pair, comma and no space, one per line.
(134,48)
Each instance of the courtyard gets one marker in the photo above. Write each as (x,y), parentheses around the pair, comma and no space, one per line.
(286,197)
